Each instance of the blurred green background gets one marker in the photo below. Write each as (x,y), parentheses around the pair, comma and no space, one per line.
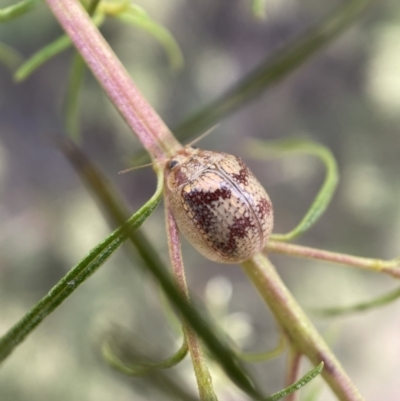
(347,97)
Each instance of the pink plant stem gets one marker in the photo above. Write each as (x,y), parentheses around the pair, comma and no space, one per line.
(293,372)
(137,112)
(203,376)
(301,333)
(391,267)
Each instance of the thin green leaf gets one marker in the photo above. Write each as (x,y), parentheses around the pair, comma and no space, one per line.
(46,53)
(359,307)
(10,57)
(135,368)
(16,10)
(262,149)
(81,272)
(298,385)
(77,73)
(273,69)
(40,57)
(136,16)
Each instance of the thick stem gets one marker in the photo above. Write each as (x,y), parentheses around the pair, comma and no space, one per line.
(391,267)
(296,325)
(137,112)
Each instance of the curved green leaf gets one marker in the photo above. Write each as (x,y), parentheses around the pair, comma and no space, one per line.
(262,149)
(141,368)
(136,16)
(149,371)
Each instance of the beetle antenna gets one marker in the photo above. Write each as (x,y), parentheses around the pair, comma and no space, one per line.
(135,168)
(199,138)
(202,136)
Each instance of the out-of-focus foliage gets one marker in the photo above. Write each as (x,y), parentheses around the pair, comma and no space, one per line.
(9,57)
(15,10)
(346,97)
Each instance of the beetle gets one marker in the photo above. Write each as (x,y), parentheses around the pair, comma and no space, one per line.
(218,204)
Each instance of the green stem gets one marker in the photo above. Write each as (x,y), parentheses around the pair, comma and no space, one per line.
(391,266)
(298,328)
(362,306)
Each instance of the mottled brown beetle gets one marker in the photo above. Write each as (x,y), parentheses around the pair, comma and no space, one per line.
(218,204)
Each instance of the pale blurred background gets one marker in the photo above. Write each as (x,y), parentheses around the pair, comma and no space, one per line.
(347,97)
